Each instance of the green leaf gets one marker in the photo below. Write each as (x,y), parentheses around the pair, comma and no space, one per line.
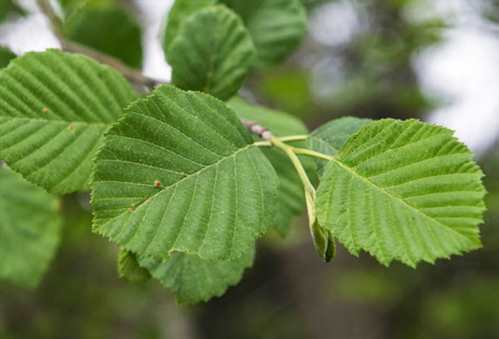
(5,56)
(323,242)
(181,174)
(54,110)
(291,202)
(193,279)
(330,137)
(212,52)
(179,12)
(29,229)
(403,190)
(8,7)
(108,28)
(276,26)
(129,268)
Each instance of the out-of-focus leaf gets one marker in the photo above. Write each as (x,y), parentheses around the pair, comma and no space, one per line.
(5,56)
(8,7)
(29,230)
(179,12)
(212,53)
(108,28)
(276,26)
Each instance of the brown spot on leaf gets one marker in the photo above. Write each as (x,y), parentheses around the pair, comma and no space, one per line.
(157,183)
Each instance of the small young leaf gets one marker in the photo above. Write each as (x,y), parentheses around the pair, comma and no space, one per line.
(212,53)
(196,280)
(181,174)
(54,109)
(403,190)
(330,137)
(276,26)
(5,56)
(323,242)
(179,12)
(129,268)
(108,28)
(29,229)
(291,202)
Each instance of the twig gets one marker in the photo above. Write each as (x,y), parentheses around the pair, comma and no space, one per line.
(257,129)
(134,76)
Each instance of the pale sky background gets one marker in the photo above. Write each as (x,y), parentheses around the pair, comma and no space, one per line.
(463,70)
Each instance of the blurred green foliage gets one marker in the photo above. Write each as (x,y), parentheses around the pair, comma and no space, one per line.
(106,26)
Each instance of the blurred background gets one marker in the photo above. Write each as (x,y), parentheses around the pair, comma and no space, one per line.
(436,60)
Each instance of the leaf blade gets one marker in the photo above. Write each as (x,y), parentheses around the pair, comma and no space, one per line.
(29,227)
(54,109)
(175,149)
(212,52)
(381,193)
(195,280)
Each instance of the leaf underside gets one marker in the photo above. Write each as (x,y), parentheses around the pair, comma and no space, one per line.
(196,280)
(181,174)
(403,190)
(54,110)
(29,229)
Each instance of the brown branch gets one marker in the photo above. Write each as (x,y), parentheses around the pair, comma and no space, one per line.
(134,76)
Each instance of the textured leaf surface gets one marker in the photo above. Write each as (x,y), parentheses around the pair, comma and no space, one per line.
(403,190)
(179,12)
(129,268)
(108,28)
(5,56)
(29,229)
(291,202)
(330,137)
(195,280)
(212,53)
(54,110)
(276,26)
(180,173)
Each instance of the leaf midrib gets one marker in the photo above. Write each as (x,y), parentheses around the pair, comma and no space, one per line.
(390,195)
(189,176)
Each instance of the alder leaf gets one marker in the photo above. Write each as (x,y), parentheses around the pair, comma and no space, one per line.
(212,52)
(54,110)
(330,137)
(291,202)
(277,27)
(29,229)
(179,173)
(193,279)
(179,12)
(129,268)
(108,28)
(403,190)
